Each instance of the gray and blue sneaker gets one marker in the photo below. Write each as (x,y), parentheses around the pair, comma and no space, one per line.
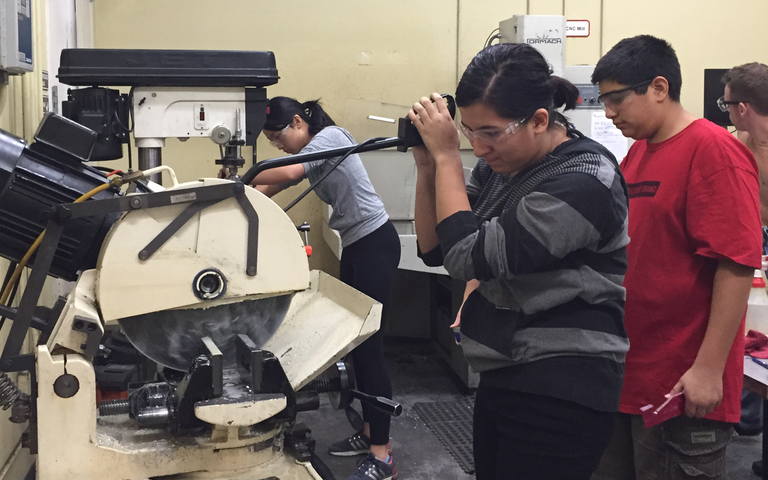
(374,469)
(357,444)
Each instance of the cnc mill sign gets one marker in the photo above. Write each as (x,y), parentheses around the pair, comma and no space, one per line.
(577,28)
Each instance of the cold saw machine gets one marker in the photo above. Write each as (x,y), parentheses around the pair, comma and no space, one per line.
(209,279)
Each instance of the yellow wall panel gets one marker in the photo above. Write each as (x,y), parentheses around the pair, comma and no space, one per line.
(712,34)
(584,50)
(545,7)
(478,19)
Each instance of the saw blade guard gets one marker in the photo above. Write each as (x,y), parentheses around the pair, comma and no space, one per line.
(213,242)
(197,285)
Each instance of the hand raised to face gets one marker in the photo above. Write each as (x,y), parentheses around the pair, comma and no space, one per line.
(432,119)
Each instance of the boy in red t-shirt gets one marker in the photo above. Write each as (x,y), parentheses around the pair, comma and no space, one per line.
(695,241)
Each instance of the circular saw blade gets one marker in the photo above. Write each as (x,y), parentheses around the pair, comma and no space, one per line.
(173,337)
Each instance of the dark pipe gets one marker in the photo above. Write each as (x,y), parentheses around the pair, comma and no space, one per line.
(323,154)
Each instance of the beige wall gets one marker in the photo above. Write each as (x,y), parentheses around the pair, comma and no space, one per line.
(705,34)
(365,57)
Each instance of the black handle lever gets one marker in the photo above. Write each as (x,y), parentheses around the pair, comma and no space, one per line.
(382,404)
(409,135)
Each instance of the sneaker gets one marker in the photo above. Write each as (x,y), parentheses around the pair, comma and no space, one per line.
(357,444)
(374,469)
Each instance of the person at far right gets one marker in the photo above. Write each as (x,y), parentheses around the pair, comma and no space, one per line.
(746,101)
(694,225)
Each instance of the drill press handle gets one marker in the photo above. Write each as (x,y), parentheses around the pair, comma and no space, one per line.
(382,404)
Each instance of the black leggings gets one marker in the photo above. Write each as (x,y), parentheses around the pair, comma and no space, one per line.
(520,436)
(369,265)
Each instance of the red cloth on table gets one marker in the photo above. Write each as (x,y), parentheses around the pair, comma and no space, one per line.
(756,344)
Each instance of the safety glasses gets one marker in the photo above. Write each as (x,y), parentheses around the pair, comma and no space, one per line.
(615,97)
(723,104)
(275,140)
(491,136)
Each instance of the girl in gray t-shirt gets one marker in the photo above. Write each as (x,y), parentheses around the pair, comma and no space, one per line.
(370,256)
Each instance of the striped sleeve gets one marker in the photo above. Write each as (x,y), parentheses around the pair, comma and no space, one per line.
(563,214)
(474,183)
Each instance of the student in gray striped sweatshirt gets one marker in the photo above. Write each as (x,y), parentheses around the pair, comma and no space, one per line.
(539,232)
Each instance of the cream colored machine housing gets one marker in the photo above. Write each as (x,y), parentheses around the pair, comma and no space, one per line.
(325,320)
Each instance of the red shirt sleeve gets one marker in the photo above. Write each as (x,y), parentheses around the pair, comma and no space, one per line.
(722,209)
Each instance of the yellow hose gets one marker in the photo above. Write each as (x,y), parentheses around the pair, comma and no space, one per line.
(37,242)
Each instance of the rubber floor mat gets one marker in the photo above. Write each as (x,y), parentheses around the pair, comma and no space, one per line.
(451,422)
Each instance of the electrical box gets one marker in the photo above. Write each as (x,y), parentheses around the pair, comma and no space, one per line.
(581,77)
(16,36)
(589,115)
(546,33)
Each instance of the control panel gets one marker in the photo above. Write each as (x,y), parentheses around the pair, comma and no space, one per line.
(588,94)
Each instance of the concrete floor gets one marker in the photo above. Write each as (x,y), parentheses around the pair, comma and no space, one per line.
(742,452)
(419,375)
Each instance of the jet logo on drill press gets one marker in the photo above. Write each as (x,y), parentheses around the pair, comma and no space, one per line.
(643,189)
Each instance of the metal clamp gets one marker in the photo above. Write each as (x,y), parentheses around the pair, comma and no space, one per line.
(93,334)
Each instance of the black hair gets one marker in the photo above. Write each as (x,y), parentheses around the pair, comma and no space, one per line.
(641,59)
(283,109)
(749,84)
(515,80)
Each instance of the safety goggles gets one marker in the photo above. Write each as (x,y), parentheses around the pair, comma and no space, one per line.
(615,97)
(275,141)
(491,136)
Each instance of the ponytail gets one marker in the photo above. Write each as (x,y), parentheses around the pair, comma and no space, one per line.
(316,117)
(566,93)
(283,109)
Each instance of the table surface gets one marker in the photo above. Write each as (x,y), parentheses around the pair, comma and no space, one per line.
(755,377)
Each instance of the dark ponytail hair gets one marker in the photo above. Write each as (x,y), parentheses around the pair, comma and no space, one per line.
(515,80)
(283,109)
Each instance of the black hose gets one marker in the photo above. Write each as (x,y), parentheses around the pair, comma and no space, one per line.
(377,144)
